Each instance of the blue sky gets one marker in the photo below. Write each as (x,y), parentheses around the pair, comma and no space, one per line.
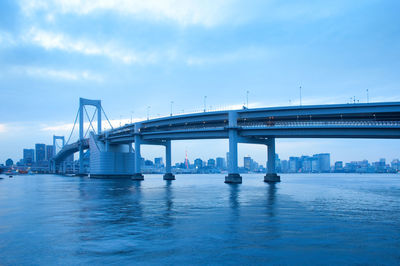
(138,54)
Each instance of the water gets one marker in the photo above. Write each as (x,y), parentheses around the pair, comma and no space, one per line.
(197,219)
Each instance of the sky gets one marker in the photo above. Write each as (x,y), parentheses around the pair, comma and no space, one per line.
(139,56)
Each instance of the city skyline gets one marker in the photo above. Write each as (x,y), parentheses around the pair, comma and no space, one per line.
(54,52)
(316,163)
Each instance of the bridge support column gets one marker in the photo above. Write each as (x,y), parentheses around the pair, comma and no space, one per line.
(168,172)
(109,160)
(138,158)
(271,175)
(233,173)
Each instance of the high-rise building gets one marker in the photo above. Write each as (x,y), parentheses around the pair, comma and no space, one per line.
(40,152)
(306,164)
(211,163)
(158,162)
(247,163)
(220,163)
(396,164)
(284,166)
(324,162)
(29,156)
(9,162)
(338,166)
(294,164)
(198,163)
(49,152)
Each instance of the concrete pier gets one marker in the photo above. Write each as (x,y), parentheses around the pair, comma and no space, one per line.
(233,173)
(138,158)
(271,175)
(233,179)
(168,170)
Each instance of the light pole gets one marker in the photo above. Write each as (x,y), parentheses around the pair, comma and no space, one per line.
(172,102)
(148,111)
(300,95)
(247,99)
(205,103)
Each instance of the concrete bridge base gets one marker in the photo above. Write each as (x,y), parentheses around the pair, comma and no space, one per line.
(137,176)
(121,176)
(272,178)
(233,179)
(110,161)
(169,176)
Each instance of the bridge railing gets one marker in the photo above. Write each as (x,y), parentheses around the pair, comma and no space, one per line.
(322,124)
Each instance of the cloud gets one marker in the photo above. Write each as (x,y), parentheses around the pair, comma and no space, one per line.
(6,39)
(185,12)
(60,41)
(39,72)
(246,53)
(2,128)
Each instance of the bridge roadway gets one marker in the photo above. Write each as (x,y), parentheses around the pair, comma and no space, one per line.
(258,126)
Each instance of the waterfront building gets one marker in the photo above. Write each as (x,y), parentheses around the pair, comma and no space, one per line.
(396,164)
(198,163)
(158,162)
(294,164)
(28,156)
(211,163)
(324,160)
(247,163)
(284,166)
(49,152)
(40,152)
(277,163)
(338,166)
(9,162)
(220,163)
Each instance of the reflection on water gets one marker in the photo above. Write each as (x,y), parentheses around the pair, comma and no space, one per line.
(271,198)
(197,219)
(169,204)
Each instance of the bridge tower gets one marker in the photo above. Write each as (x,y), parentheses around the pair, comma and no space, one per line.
(53,167)
(82,103)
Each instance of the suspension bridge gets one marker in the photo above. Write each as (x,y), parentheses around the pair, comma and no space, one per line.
(115,153)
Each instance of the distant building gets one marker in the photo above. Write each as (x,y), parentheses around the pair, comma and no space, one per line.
(211,163)
(277,163)
(9,162)
(284,166)
(49,152)
(338,166)
(396,164)
(220,163)
(324,160)
(247,163)
(29,156)
(294,164)
(148,163)
(198,163)
(40,152)
(158,162)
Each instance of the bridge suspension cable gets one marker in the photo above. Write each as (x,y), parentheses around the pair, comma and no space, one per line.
(73,128)
(107,117)
(90,121)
